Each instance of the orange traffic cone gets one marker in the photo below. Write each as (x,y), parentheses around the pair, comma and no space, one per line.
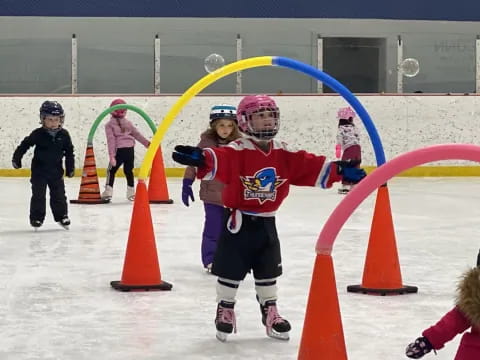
(89,188)
(322,336)
(157,186)
(381,274)
(141,270)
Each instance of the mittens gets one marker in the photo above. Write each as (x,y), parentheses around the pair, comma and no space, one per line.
(349,171)
(17,164)
(187,192)
(189,155)
(418,348)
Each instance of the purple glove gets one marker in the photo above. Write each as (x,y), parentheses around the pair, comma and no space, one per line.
(187,191)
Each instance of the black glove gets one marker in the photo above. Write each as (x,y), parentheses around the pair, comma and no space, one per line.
(188,155)
(17,164)
(71,173)
(417,349)
(349,171)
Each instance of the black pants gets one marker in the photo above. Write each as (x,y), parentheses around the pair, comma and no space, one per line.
(58,200)
(125,157)
(255,247)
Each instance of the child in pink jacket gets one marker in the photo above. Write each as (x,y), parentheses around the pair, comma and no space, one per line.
(348,142)
(121,136)
(465,315)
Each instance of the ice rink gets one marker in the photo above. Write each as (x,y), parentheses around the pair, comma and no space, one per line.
(57,302)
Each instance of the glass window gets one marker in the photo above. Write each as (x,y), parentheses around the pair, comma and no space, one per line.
(111,64)
(297,45)
(182,59)
(447,62)
(35,65)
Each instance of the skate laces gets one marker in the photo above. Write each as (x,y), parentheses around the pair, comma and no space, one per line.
(227,315)
(273,317)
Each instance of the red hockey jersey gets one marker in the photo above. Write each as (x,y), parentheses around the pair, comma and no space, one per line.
(257,181)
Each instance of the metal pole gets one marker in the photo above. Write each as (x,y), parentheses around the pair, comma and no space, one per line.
(477,65)
(319,61)
(399,64)
(74,65)
(238,86)
(156,64)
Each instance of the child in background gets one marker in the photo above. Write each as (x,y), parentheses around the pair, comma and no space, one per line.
(52,143)
(257,172)
(465,315)
(121,136)
(348,142)
(223,129)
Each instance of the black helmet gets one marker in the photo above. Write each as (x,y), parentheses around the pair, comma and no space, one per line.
(51,108)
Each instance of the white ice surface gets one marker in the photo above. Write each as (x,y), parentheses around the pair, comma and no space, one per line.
(56,301)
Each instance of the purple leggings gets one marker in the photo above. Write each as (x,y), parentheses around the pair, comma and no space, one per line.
(211,231)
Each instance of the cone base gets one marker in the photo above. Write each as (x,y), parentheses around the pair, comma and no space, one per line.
(169,201)
(92,202)
(117,285)
(370,291)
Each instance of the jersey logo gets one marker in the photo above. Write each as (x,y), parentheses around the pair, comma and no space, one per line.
(262,186)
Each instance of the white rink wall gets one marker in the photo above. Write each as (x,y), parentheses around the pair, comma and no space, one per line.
(308,122)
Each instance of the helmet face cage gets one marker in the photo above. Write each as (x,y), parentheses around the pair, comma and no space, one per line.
(52,108)
(265,110)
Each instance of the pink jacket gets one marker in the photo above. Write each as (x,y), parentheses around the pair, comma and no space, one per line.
(453,323)
(118,138)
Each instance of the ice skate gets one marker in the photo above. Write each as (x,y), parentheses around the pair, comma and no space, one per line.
(225,320)
(277,327)
(343,190)
(65,223)
(107,194)
(36,224)
(130,193)
(208,268)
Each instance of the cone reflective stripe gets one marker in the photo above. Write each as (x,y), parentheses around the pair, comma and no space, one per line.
(141,269)
(322,336)
(157,186)
(89,189)
(381,274)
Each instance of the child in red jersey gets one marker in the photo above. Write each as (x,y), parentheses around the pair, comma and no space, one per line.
(257,171)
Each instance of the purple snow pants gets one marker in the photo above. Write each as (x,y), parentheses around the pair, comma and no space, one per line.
(211,231)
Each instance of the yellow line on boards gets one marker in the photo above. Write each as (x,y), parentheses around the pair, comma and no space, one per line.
(419,171)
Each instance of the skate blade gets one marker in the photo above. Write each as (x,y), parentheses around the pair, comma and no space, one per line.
(66,227)
(279,336)
(222,336)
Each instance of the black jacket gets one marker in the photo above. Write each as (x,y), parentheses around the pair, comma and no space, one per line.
(49,152)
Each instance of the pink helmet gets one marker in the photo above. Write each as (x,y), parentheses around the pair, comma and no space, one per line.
(119,113)
(346,113)
(257,104)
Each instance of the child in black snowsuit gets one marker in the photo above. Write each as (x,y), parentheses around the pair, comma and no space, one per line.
(51,143)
